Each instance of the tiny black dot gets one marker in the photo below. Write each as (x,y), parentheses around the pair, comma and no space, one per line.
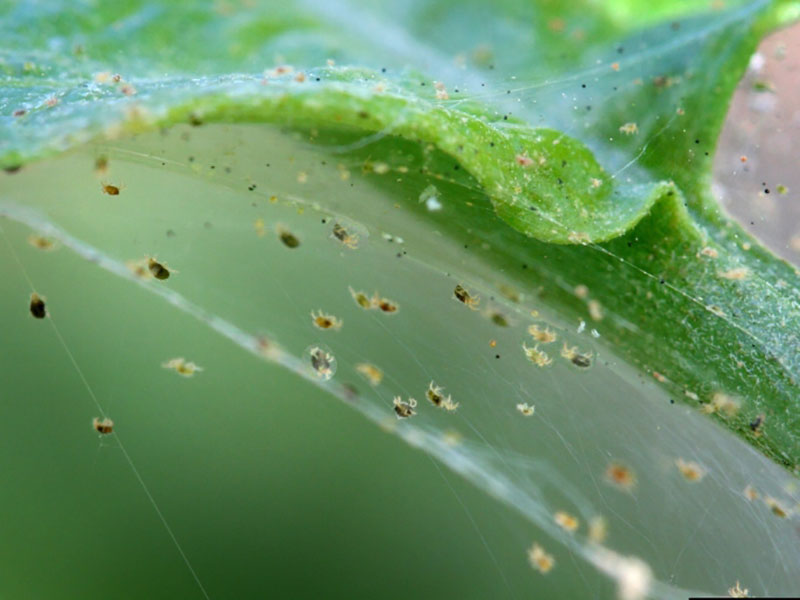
(583,85)
(497,356)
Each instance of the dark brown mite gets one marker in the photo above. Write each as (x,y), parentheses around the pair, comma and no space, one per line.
(104,426)
(339,232)
(387,306)
(581,360)
(462,295)
(37,307)
(111,190)
(320,360)
(158,270)
(289,239)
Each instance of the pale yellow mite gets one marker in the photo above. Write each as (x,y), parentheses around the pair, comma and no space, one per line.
(325,321)
(540,560)
(41,242)
(526,409)
(543,336)
(182,367)
(371,373)
(536,356)
(690,470)
(566,521)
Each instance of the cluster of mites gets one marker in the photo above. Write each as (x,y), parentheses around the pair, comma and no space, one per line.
(407,408)
(542,336)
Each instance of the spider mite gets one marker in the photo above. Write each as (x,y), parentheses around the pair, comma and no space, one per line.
(348,239)
(536,356)
(370,372)
(182,367)
(402,409)
(434,394)
(690,470)
(37,307)
(566,521)
(322,362)
(620,476)
(288,238)
(111,190)
(544,336)
(323,321)
(41,242)
(462,295)
(526,409)
(584,361)
(361,299)
(157,270)
(385,305)
(103,426)
(437,398)
(540,560)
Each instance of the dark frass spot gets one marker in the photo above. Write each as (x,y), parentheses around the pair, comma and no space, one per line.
(37,307)
(499,320)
